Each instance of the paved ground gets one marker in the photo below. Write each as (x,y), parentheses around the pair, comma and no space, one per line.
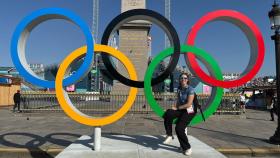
(55,130)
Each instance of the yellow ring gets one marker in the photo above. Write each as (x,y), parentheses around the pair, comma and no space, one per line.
(67,105)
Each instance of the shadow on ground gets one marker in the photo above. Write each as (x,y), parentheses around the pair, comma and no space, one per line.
(153,142)
(234,138)
(36,142)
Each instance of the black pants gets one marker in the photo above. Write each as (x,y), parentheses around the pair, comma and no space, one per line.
(183,120)
(17,105)
(272,113)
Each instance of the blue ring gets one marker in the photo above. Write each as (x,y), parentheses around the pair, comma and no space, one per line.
(36,18)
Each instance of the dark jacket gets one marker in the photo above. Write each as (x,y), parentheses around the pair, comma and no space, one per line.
(17,97)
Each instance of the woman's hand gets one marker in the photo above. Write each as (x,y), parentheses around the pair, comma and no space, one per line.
(188,104)
(174,107)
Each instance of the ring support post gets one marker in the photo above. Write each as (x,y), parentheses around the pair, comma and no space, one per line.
(97,139)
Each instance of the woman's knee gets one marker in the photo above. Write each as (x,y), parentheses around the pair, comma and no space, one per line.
(168,113)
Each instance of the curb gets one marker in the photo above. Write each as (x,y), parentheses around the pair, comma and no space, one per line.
(249,151)
(235,151)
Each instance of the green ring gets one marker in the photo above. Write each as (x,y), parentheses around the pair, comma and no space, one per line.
(200,54)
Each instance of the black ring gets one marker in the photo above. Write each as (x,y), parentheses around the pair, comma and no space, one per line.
(141,14)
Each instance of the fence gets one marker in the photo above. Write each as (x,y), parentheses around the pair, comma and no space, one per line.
(108,103)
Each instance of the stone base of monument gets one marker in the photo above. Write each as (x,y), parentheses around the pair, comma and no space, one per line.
(135,146)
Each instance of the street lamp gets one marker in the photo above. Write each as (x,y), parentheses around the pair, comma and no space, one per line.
(274,16)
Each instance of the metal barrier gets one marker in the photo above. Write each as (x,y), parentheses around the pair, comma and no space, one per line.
(106,103)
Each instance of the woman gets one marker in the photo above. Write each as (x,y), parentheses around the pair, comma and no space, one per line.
(184,111)
(270,107)
(242,102)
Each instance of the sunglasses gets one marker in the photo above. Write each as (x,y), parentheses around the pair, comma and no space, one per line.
(183,78)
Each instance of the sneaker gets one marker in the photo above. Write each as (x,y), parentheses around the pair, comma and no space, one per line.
(167,139)
(188,152)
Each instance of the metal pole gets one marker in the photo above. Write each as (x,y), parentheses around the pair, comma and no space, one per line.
(276,137)
(97,138)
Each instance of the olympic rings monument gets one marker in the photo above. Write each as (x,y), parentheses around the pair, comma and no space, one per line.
(135,20)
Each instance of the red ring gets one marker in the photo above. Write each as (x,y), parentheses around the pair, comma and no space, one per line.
(234,15)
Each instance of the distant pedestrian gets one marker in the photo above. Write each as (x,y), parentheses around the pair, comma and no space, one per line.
(17,101)
(242,102)
(144,106)
(270,107)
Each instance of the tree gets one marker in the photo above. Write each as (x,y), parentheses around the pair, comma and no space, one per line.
(53,69)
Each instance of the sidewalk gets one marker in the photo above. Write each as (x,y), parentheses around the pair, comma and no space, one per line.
(54,131)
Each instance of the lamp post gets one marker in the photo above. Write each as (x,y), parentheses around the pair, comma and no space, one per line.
(274,16)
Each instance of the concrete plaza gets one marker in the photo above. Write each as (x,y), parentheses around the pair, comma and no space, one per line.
(49,133)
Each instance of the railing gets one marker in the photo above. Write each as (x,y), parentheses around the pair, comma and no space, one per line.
(110,103)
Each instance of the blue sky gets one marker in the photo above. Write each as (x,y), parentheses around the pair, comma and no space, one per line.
(51,41)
